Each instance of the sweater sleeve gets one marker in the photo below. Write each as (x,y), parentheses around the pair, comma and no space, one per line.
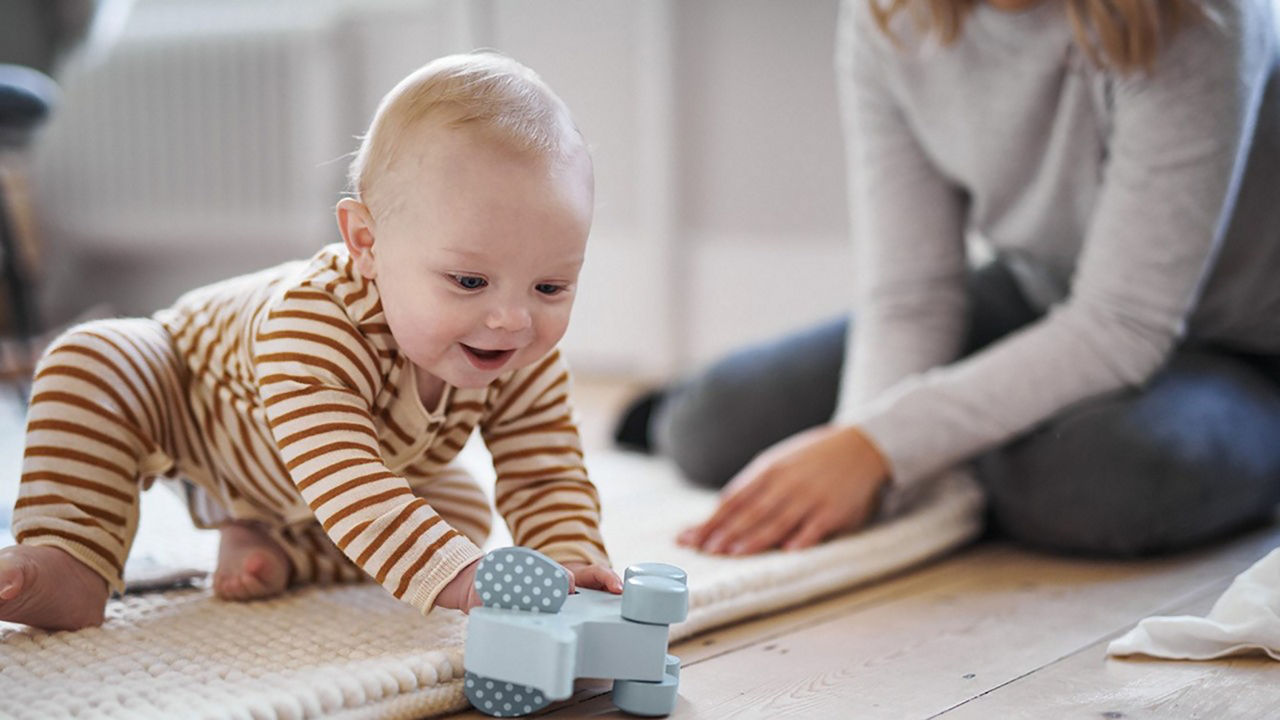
(317,377)
(909,298)
(1179,141)
(542,488)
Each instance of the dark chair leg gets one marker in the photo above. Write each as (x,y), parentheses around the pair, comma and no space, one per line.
(13,272)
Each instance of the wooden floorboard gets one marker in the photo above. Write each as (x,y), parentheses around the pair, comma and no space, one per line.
(990,632)
(1089,684)
(940,640)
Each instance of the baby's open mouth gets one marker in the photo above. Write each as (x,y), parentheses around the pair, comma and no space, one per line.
(486,359)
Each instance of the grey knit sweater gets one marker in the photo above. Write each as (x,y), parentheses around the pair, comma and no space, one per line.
(1140,210)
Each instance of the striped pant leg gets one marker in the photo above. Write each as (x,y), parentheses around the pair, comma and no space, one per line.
(452,492)
(314,556)
(106,410)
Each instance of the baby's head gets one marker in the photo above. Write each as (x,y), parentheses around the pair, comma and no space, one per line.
(472,201)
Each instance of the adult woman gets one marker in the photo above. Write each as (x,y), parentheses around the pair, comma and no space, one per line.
(1115,370)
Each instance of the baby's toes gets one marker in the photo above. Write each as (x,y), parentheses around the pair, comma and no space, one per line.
(227,586)
(254,586)
(11,578)
(266,571)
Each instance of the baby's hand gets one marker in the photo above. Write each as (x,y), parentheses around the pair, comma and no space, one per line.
(595,577)
(460,593)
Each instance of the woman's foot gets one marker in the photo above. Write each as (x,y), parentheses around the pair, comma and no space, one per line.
(45,587)
(251,565)
(632,430)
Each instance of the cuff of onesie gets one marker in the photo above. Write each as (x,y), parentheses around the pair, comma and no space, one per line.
(585,553)
(448,561)
(87,557)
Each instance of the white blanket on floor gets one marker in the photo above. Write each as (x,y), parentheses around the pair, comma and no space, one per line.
(1245,619)
(354,651)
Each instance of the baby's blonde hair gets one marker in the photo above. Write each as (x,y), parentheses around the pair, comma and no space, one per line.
(483,88)
(1122,34)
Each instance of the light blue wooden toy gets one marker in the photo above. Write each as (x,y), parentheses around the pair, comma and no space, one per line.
(532,639)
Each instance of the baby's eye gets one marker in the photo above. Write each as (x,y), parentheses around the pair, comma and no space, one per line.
(469,282)
(549,288)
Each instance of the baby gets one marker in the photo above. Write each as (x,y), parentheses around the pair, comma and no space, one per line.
(311,411)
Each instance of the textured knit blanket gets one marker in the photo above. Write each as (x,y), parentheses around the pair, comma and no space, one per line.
(353,651)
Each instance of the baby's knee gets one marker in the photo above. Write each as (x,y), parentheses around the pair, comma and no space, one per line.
(102,348)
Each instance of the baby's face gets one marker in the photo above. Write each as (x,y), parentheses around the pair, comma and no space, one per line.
(478,263)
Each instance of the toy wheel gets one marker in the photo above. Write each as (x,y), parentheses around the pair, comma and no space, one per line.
(518,578)
(654,600)
(658,570)
(672,666)
(502,699)
(651,699)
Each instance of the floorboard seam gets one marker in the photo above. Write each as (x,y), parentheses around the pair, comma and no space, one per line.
(1203,590)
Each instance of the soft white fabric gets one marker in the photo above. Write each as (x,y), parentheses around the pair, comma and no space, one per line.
(1245,619)
(641,518)
(353,651)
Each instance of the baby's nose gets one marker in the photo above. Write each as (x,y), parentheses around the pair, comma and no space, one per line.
(510,317)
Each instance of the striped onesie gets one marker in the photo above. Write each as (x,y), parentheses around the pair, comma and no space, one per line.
(281,398)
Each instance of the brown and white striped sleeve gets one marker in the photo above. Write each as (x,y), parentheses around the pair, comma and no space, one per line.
(542,490)
(318,377)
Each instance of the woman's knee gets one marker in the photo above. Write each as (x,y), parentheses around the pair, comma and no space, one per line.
(694,427)
(1085,505)
(1190,459)
(715,422)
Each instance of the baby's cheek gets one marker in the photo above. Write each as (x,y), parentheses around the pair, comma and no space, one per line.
(553,328)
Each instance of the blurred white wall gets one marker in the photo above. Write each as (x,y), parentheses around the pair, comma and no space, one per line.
(209,140)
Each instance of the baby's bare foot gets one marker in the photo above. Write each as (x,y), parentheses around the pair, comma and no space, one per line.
(250,565)
(45,587)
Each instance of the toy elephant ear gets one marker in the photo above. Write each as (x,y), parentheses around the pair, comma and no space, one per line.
(518,578)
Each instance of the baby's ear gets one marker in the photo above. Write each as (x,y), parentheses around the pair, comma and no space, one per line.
(356,225)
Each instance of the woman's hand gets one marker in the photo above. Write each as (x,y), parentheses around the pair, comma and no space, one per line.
(795,494)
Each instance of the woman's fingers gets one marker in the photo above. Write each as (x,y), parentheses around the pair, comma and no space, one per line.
(747,517)
(812,531)
(781,523)
(759,520)
(738,494)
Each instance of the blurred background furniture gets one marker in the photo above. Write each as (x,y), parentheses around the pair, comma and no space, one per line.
(26,98)
(36,39)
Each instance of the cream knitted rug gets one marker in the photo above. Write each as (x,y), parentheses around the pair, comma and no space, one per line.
(353,652)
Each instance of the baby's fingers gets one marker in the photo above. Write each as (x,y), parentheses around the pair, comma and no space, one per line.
(597,577)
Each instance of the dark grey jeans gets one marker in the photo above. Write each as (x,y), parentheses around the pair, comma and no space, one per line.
(1193,456)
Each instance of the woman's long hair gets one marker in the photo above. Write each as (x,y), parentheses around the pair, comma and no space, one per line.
(1120,34)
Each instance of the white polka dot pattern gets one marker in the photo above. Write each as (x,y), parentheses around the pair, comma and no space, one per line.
(518,578)
(502,699)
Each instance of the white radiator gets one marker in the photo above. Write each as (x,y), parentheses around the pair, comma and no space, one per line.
(196,132)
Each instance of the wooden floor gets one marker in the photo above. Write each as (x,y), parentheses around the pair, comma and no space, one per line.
(990,632)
